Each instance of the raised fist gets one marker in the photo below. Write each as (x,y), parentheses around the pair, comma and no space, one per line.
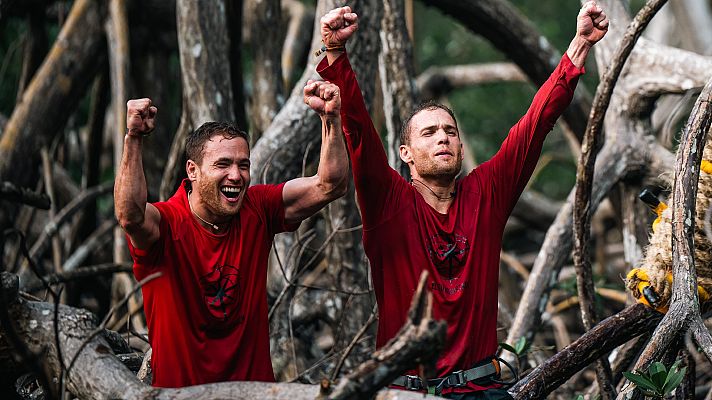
(323,97)
(592,23)
(140,117)
(337,26)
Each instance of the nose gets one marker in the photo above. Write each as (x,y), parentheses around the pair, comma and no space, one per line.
(233,173)
(443,137)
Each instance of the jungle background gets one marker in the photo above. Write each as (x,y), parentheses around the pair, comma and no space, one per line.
(67,69)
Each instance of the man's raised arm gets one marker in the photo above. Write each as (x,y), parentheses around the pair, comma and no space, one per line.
(373,177)
(305,196)
(512,166)
(139,219)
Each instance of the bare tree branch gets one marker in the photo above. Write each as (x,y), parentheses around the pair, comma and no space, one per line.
(604,337)
(436,82)
(584,181)
(12,193)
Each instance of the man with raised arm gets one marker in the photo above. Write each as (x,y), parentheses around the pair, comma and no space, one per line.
(450,227)
(207,312)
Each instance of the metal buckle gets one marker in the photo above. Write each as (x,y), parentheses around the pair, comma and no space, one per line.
(412,382)
(456,379)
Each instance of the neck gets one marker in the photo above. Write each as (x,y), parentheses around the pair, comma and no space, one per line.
(216,227)
(438,194)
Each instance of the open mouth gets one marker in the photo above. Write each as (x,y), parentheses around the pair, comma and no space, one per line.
(231,192)
(443,153)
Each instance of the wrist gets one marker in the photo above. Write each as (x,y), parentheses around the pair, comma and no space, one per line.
(331,118)
(578,51)
(137,134)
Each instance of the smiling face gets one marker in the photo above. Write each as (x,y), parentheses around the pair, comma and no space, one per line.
(221,179)
(433,149)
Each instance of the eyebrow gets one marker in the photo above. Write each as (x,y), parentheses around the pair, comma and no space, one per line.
(232,160)
(445,127)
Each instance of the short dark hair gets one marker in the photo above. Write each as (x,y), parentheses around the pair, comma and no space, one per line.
(195,142)
(426,105)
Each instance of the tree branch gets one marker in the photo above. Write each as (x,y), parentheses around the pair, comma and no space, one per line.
(584,181)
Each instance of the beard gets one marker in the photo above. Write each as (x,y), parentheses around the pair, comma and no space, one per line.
(211,196)
(431,169)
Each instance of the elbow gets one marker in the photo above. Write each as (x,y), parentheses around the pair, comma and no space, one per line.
(334,190)
(129,222)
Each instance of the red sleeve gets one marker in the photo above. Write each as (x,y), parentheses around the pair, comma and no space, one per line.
(510,169)
(268,198)
(374,179)
(146,260)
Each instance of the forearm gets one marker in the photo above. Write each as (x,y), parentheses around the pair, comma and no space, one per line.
(332,55)
(578,51)
(333,168)
(130,193)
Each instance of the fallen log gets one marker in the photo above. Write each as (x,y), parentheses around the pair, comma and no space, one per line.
(99,374)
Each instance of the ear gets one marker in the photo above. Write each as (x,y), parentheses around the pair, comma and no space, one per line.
(192,170)
(405,154)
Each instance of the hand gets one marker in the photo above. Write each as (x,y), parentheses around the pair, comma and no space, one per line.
(592,23)
(337,26)
(323,97)
(140,117)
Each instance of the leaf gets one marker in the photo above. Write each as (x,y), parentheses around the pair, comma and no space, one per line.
(656,367)
(659,378)
(520,345)
(507,347)
(640,381)
(673,380)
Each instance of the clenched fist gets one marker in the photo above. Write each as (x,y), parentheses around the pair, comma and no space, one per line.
(337,26)
(140,117)
(323,97)
(592,23)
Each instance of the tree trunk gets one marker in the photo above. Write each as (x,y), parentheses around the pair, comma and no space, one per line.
(204,60)
(267,92)
(395,63)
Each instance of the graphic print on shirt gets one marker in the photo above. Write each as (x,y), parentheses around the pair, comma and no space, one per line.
(221,288)
(448,253)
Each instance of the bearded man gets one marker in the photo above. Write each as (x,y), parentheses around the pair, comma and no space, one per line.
(207,312)
(450,227)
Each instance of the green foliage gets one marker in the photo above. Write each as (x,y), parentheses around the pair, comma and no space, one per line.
(657,382)
(519,349)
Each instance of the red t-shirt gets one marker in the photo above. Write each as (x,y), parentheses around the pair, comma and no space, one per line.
(403,235)
(207,313)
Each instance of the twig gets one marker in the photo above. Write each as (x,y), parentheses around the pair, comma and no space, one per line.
(356,339)
(52,227)
(590,146)
(96,240)
(49,187)
(83,272)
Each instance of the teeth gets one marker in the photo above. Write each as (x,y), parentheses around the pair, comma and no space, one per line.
(231,190)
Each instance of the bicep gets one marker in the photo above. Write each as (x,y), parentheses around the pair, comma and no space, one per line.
(144,236)
(302,198)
